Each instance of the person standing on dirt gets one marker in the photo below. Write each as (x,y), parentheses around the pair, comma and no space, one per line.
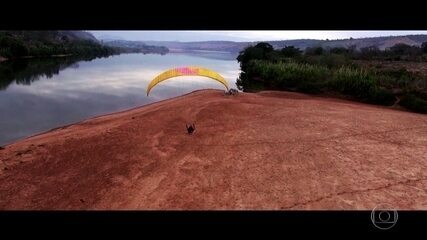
(191,128)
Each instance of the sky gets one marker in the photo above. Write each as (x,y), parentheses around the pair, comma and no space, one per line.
(187,36)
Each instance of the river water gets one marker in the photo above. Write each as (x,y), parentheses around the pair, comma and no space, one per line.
(40,94)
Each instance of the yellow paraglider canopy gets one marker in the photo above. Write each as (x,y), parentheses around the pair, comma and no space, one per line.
(186,71)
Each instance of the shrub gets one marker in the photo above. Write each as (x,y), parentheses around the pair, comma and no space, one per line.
(287,76)
(353,82)
(414,103)
(381,96)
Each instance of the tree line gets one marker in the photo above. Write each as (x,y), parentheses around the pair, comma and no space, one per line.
(12,47)
(333,71)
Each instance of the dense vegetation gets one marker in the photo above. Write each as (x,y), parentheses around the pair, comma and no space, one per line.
(18,44)
(136,47)
(335,71)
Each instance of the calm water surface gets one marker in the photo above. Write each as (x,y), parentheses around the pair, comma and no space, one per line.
(38,95)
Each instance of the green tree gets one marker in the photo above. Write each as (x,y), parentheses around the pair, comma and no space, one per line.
(259,51)
(314,51)
(339,50)
(404,49)
(424,47)
(400,49)
(369,52)
(290,51)
(11,47)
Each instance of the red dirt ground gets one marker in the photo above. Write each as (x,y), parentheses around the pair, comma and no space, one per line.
(270,150)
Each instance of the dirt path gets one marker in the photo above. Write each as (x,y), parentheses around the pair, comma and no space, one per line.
(271,150)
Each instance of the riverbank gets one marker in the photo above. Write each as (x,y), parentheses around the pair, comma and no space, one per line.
(270,150)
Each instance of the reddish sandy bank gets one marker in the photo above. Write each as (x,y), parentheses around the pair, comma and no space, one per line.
(271,150)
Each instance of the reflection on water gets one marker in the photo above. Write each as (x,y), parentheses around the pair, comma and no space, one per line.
(39,94)
(25,71)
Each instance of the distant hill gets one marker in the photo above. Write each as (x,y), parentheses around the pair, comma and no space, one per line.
(235,47)
(175,46)
(78,35)
(222,46)
(50,36)
(107,37)
(17,44)
(135,46)
(381,42)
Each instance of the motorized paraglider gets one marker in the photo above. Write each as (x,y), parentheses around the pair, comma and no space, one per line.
(186,71)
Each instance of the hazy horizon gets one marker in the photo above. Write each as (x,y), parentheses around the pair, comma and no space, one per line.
(192,36)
